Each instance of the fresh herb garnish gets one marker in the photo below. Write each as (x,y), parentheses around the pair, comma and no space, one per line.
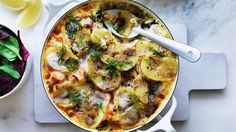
(80,44)
(157,53)
(73,96)
(94,48)
(96,55)
(62,53)
(99,105)
(114,63)
(72,64)
(73,27)
(111,65)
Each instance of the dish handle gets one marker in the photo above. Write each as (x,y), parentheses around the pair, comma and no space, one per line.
(54,8)
(164,123)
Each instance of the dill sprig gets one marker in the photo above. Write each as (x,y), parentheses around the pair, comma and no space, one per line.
(114,64)
(73,96)
(72,64)
(99,105)
(94,48)
(62,53)
(111,65)
(73,27)
(157,53)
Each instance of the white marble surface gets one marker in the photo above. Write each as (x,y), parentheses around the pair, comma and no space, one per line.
(211,27)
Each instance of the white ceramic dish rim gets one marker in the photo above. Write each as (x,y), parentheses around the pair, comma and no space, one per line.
(64,9)
(23,79)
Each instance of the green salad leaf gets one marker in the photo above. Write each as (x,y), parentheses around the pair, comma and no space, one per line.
(10,70)
(7,53)
(9,47)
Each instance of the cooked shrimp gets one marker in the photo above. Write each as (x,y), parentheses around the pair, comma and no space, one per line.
(80,75)
(57,76)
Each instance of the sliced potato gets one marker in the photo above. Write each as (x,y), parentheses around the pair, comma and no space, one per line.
(98,119)
(57,46)
(141,89)
(94,115)
(101,34)
(124,60)
(127,105)
(84,88)
(123,23)
(127,96)
(90,118)
(114,48)
(100,97)
(104,79)
(122,97)
(159,69)
(69,52)
(144,48)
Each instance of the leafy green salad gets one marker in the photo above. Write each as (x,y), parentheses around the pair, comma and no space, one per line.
(13,57)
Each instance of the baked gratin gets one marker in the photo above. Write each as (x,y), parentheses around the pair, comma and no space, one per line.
(102,82)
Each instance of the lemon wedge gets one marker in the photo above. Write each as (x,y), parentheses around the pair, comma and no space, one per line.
(30,14)
(14,5)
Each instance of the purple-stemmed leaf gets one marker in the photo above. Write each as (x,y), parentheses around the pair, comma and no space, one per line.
(23,51)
